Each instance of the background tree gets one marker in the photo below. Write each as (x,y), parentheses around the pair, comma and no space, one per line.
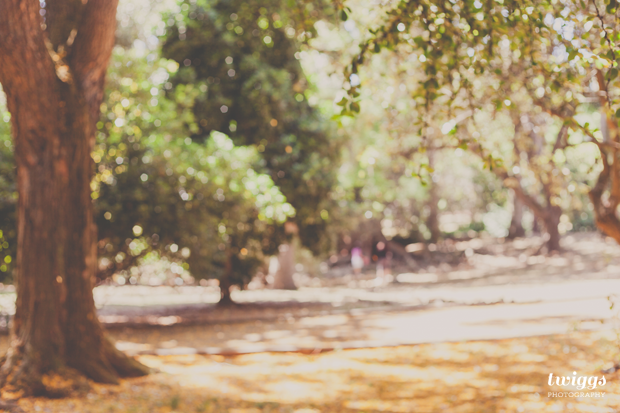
(53,72)
(547,49)
(158,195)
(177,192)
(376,183)
(219,228)
(243,56)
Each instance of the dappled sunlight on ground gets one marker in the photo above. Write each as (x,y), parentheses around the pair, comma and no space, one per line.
(501,292)
(492,376)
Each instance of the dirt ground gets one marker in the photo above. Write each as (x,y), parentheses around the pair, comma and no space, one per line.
(476,327)
(509,376)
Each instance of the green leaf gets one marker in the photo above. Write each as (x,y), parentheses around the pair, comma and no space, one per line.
(344,16)
(572,55)
(611,7)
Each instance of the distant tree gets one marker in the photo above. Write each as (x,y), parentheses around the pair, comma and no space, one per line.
(473,54)
(221,227)
(161,194)
(158,196)
(516,228)
(242,57)
(53,72)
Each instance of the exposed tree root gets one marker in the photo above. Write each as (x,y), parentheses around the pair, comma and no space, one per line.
(10,407)
(22,376)
(124,365)
(226,301)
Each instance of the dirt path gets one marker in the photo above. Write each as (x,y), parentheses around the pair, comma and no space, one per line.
(438,322)
(499,292)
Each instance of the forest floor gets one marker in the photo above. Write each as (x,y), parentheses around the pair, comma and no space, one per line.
(474,290)
(477,326)
(509,376)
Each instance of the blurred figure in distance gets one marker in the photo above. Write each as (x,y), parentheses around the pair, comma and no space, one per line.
(357,260)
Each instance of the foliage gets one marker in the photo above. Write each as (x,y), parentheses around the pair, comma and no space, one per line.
(242,56)
(158,191)
(553,56)
(159,194)
(8,196)
(379,177)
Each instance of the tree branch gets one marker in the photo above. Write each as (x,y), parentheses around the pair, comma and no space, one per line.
(92,49)
(26,68)
(61,19)
(560,140)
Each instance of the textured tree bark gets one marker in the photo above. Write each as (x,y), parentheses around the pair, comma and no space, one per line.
(54,103)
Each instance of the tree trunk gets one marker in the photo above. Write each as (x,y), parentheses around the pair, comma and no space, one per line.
(432,221)
(225,298)
(286,261)
(552,220)
(549,215)
(535,225)
(605,195)
(516,229)
(225,284)
(53,105)
(399,250)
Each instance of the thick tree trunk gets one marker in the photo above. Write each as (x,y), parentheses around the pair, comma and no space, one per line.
(55,329)
(605,214)
(605,195)
(516,229)
(286,261)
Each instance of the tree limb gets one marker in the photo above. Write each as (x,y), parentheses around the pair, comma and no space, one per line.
(92,49)
(61,20)
(26,69)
